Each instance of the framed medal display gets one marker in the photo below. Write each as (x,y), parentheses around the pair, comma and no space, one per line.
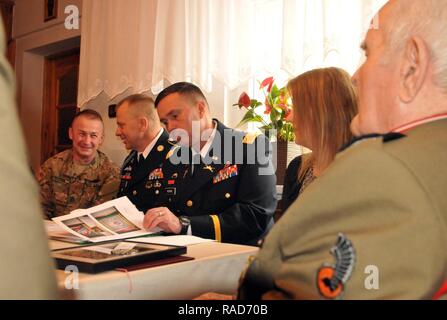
(118,254)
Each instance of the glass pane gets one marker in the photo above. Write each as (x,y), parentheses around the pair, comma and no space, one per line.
(68,90)
(65,116)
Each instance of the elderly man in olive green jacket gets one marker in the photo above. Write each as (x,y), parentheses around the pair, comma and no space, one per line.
(374,225)
(26,271)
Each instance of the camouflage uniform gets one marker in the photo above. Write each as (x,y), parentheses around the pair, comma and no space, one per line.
(66,186)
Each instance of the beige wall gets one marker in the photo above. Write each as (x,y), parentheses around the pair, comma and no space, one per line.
(35,40)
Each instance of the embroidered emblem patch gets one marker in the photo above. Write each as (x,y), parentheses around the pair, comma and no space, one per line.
(226,173)
(155,174)
(332,278)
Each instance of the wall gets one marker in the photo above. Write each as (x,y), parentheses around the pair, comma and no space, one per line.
(113,146)
(36,39)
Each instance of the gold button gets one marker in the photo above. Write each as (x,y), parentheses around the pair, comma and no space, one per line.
(157,191)
(227,195)
(160,148)
(135,192)
(189,203)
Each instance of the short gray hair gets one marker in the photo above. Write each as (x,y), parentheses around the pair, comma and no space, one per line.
(141,104)
(424,18)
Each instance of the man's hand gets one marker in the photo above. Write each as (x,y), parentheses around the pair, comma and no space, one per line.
(162,218)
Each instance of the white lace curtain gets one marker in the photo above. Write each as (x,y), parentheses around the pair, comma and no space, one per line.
(137,44)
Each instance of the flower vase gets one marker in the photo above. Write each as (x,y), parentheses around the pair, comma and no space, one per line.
(285,153)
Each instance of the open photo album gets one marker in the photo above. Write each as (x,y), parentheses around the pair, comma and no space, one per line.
(113,220)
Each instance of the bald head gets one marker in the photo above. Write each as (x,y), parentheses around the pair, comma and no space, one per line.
(427,19)
(404,76)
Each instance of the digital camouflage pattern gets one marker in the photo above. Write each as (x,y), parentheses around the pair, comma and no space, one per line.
(66,186)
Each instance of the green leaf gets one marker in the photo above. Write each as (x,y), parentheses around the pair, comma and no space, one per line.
(275,91)
(250,116)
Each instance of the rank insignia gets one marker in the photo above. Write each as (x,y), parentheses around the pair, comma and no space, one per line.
(209,168)
(156,174)
(332,278)
(226,173)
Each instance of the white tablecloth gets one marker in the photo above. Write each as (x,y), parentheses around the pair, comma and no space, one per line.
(216,268)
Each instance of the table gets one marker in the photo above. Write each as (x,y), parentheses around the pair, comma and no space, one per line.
(216,268)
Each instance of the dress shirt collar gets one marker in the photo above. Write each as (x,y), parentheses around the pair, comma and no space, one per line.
(151,145)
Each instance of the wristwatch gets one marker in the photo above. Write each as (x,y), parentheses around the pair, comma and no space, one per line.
(185,222)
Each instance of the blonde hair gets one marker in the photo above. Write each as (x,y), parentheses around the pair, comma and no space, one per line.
(324,102)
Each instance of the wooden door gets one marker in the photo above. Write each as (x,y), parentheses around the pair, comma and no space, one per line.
(60,102)
(7,13)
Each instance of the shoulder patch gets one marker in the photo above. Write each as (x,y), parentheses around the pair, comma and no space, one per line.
(250,138)
(332,278)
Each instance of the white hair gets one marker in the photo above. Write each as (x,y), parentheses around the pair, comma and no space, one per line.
(426,19)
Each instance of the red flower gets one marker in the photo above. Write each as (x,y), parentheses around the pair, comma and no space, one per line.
(268,107)
(244,100)
(267,82)
(282,102)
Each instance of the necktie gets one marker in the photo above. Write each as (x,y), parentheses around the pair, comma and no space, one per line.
(195,166)
(140,159)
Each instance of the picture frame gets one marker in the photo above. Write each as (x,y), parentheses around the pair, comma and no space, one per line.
(95,258)
(50,10)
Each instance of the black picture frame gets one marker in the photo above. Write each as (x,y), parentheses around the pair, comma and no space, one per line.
(50,10)
(89,261)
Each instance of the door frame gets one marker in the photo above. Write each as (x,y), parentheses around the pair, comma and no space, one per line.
(50,96)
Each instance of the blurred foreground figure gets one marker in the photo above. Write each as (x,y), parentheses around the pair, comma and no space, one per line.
(26,271)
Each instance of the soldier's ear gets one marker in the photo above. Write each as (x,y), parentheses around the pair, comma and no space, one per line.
(70,133)
(102,138)
(414,69)
(144,124)
(202,108)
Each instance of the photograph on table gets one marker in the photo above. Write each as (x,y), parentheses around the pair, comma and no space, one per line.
(87,227)
(112,219)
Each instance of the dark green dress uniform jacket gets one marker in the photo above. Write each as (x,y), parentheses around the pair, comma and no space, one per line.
(141,183)
(373,226)
(231,195)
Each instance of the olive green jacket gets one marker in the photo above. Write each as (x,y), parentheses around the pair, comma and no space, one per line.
(26,271)
(386,199)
